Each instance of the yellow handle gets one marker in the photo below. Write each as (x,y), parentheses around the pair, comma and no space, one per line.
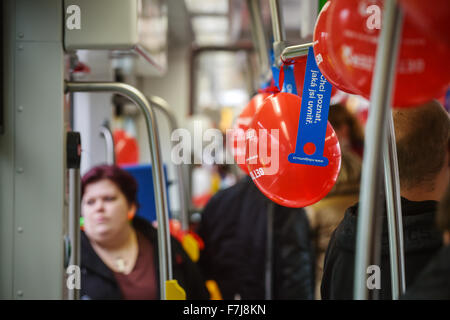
(214,291)
(174,291)
(190,245)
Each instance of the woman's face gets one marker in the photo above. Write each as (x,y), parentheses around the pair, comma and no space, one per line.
(105,210)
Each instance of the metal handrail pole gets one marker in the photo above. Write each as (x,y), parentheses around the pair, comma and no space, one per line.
(164,248)
(297,51)
(279,35)
(72,242)
(259,38)
(269,251)
(74,223)
(163,106)
(394,213)
(110,153)
(381,94)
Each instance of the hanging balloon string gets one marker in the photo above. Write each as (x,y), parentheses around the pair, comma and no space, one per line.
(273,88)
(287,64)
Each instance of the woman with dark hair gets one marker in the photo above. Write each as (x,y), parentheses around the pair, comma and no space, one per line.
(119,255)
(349,130)
(325,215)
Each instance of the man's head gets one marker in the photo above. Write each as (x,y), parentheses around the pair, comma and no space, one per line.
(422,135)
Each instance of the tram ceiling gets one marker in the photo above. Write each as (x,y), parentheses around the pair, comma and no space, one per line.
(226,25)
(225,22)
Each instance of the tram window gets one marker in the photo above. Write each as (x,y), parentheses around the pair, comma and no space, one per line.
(223,85)
(222,81)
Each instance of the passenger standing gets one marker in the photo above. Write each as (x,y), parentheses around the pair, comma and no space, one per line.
(422,139)
(234,228)
(325,215)
(119,253)
(434,282)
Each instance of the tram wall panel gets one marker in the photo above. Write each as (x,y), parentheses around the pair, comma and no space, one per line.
(39,168)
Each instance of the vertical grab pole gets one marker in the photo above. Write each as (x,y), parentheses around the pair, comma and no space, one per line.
(279,36)
(381,94)
(164,249)
(394,213)
(259,39)
(163,106)
(74,223)
(269,250)
(73,144)
(105,132)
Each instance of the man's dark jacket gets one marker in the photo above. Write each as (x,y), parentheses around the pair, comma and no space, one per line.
(98,282)
(421,241)
(234,229)
(433,283)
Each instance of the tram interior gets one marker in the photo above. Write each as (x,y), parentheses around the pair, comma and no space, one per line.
(198,59)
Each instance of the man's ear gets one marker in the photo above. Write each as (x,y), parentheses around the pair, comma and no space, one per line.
(448,152)
(446,238)
(132,212)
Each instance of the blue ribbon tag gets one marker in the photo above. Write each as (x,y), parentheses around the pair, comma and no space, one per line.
(275,70)
(265,85)
(312,125)
(447,100)
(289,79)
(275,75)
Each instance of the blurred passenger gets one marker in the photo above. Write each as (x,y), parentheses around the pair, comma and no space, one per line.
(434,281)
(422,139)
(235,230)
(227,177)
(348,128)
(325,215)
(119,253)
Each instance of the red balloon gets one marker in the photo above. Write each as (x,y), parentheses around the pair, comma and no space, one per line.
(286,183)
(126,148)
(241,127)
(432,17)
(422,70)
(324,62)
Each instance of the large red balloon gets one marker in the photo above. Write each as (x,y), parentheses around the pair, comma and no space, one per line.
(422,70)
(431,16)
(324,62)
(286,183)
(241,126)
